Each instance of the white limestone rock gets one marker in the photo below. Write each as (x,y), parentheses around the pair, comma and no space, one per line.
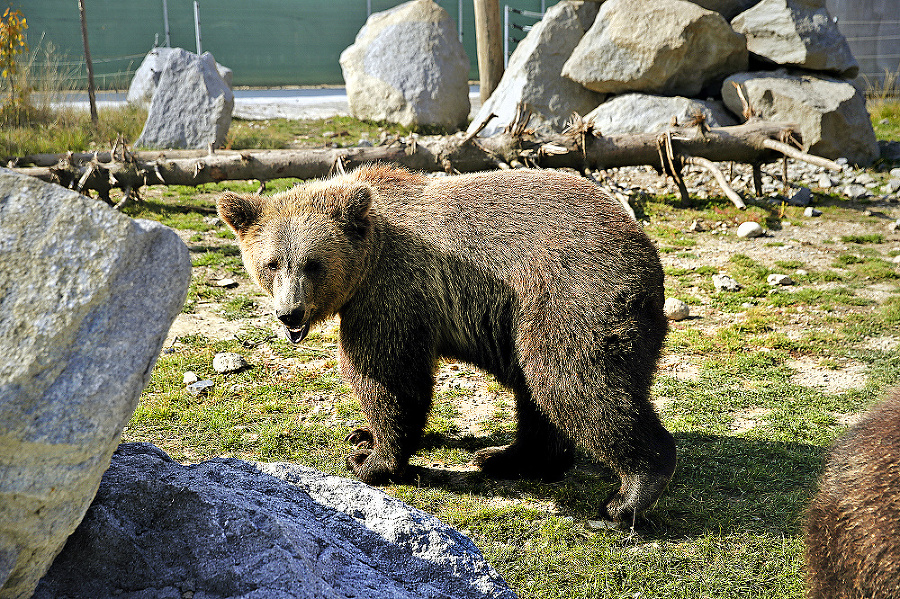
(797,33)
(408,66)
(643,113)
(146,78)
(191,106)
(830,113)
(88,298)
(668,47)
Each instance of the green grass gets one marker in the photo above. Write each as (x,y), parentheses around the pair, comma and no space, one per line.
(283,133)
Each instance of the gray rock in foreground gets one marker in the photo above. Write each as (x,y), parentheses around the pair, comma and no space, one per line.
(226,528)
(534,74)
(191,106)
(643,113)
(87,298)
(408,66)
(830,113)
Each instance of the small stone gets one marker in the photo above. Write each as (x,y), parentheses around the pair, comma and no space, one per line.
(779,279)
(894,226)
(602,525)
(190,378)
(364,143)
(811,212)
(825,181)
(802,197)
(200,387)
(896,260)
(865,179)
(676,309)
(725,283)
(892,186)
(855,192)
(226,283)
(226,362)
(895,173)
(697,226)
(750,229)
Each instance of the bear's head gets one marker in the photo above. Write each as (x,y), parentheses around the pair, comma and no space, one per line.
(306,247)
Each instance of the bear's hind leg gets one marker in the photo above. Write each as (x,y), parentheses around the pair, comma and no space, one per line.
(540,451)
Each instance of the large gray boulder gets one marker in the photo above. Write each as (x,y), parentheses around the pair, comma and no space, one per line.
(642,113)
(226,528)
(191,106)
(830,113)
(146,78)
(88,296)
(668,47)
(797,33)
(408,66)
(534,73)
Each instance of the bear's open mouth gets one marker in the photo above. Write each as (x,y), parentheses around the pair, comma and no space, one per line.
(296,335)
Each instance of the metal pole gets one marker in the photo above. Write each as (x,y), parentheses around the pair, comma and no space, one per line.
(368,8)
(197,25)
(166,22)
(90,65)
(505,36)
(459,20)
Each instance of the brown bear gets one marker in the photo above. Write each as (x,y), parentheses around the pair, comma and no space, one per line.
(534,276)
(853,523)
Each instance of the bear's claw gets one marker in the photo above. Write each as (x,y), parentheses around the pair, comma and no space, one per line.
(362,437)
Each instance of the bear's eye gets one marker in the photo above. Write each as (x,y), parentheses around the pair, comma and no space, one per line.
(313,267)
(272,265)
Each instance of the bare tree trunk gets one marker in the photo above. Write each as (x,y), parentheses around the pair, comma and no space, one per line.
(489,42)
(580,148)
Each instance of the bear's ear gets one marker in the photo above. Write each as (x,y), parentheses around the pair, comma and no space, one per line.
(239,212)
(350,205)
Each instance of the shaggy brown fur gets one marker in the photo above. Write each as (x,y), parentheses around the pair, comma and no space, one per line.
(853,524)
(536,277)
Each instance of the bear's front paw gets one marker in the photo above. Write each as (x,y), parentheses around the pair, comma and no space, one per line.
(371,468)
(362,437)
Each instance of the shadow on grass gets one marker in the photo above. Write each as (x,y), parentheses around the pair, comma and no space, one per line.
(723,485)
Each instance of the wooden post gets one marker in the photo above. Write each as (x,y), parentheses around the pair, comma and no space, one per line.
(90,65)
(489,41)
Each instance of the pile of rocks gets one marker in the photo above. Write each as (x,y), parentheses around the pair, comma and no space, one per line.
(803,178)
(632,65)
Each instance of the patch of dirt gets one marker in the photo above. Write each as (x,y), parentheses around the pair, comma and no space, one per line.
(749,419)
(849,375)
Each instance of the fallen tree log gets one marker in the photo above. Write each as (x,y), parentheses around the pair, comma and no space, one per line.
(579,147)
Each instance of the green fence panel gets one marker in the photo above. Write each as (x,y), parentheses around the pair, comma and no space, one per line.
(265,42)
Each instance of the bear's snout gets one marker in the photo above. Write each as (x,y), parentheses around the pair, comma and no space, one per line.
(296,322)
